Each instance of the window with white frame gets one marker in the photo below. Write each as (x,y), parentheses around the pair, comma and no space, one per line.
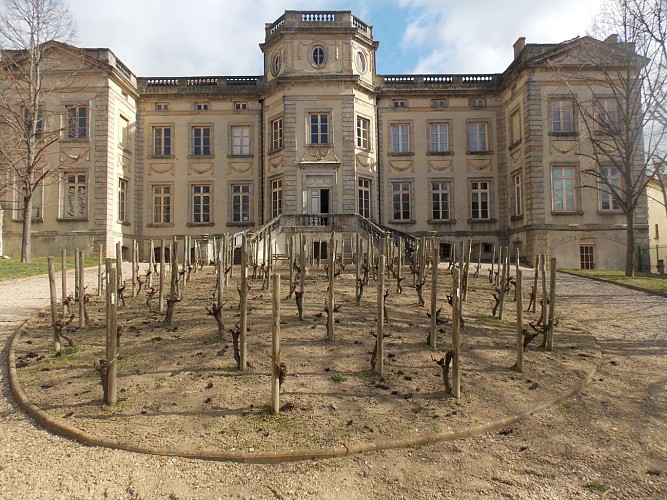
(587,256)
(364,197)
(201,141)
(239,105)
(19,198)
(606,115)
(318,56)
(276,197)
(240,203)
(439,137)
(517,191)
(123,132)
(439,103)
(201,106)
(610,181)
(241,140)
(201,203)
(33,124)
(276,134)
(563,183)
(161,106)
(400,137)
(515,127)
(479,102)
(161,196)
(401,202)
(162,141)
(77,122)
(363,132)
(478,137)
(440,200)
(400,103)
(562,115)
(319,128)
(123,186)
(75,195)
(480,199)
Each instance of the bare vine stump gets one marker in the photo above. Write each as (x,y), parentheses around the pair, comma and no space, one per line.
(379,366)
(552,305)
(434,296)
(456,339)
(54,306)
(161,284)
(545,298)
(111,334)
(151,263)
(82,292)
(63,279)
(243,305)
(275,346)
(519,322)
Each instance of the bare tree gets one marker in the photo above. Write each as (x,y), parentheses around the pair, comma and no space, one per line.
(617,88)
(34,37)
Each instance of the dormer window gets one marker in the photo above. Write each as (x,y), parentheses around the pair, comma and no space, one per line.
(477,103)
(400,103)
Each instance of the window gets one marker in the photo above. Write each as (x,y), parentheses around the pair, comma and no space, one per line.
(161,106)
(161,141)
(477,103)
(364,197)
(318,56)
(515,128)
(563,184)
(240,202)
(360,62)
(439,133)
(400,138)
(161,204)
(480,192)
(77,122)
(37,196)
(276,197)
(363,132)
(319,128)
(477,137)
(657,232)
(606,116)
(201,106)
(562,116)
(241,140)
(201,203)
(611,178)
(124,132)
(400,103)
(439,103)
(201,141)
(517,188)
(400,193)
(276,64)
(240,105)
(75,196)
(29,122)
(440,199)
(276,134)
(122,200)
(587,256)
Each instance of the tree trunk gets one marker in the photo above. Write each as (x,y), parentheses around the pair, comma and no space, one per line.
(630,249)
(26,242)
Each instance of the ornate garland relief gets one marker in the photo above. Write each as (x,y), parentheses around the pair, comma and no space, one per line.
(479,165)
(124,161)
(161,168)
(367,162)
(240,167)
(516,157)
(317,153)
(441,165)
(563,147)
(200,168)
(276,162)
(74,153)
(402,165)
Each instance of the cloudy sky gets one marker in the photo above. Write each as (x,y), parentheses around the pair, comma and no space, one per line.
(221,37)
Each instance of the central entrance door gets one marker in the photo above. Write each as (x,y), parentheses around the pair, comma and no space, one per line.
(319,203)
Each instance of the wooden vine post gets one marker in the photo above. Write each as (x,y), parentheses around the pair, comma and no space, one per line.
(434,295)
(493,261)
(519,322)
(537,270)
(544,288)
(357,263)
(330,298)
(99,270)
(379,362)
(134,268)
(243,303)
(54,306)
(161,283)
(456,337)
(111,334)
(275,346)
(63,281)
(76,274)
(82,294)
(220,274)
(503,279)
(399,264)
(552,305)
(119,265)
(151,264)
(290,259)
(302,277)
(466,270)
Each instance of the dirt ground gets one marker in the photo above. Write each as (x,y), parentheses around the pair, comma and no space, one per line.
(180,389)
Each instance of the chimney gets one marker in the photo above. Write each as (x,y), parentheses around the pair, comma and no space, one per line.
(611,39)
(519,45)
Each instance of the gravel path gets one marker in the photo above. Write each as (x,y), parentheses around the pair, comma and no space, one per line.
(612,435)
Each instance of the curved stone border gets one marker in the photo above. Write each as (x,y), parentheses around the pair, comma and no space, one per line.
(57,426)
(656,293)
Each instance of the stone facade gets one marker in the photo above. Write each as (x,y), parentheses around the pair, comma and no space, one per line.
(461,156)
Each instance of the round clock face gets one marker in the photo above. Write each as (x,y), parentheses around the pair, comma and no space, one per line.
(360,60)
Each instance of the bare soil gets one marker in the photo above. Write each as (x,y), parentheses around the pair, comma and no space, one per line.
(180,389)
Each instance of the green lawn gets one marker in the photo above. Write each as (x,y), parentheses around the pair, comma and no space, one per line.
(645,281)
(14,268)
